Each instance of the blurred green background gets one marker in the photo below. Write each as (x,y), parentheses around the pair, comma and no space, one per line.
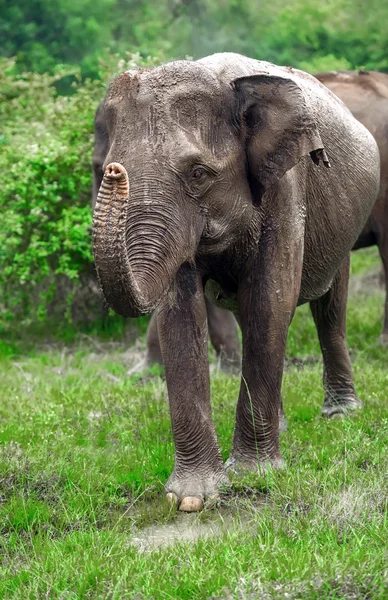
(57,60)
(334,33)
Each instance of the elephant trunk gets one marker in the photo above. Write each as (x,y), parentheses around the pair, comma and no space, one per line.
(137,243)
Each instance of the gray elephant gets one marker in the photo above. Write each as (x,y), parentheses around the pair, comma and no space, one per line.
(217,181)
(222,326)
(365,93)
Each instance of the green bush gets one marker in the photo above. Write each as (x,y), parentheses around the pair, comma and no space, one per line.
(45,148)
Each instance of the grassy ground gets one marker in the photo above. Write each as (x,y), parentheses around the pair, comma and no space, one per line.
(85,450)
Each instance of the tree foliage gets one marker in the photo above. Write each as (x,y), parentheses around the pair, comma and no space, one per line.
(46,145)
(43,34)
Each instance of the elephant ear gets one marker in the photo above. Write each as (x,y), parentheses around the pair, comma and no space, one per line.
(278,124)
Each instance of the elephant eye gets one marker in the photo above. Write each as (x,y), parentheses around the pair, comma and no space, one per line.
(198,173)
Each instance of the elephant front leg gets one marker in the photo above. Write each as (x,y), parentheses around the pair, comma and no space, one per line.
(198,471)
(266,306)
(329,314)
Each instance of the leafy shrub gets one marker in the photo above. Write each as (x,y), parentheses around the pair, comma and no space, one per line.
(45,146)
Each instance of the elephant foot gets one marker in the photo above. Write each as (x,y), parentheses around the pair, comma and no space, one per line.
(339,407)
(238,464)
(193,493)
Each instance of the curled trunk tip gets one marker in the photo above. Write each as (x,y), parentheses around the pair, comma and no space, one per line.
(116,179)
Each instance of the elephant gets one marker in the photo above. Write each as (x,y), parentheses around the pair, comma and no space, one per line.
(217,182)
(222,326)
(365,93)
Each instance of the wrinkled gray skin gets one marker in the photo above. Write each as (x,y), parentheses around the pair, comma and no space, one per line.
(216,178)
(365,93)
(222,326)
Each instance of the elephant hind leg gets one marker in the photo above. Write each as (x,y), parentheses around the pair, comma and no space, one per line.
(223,333)
(329,312)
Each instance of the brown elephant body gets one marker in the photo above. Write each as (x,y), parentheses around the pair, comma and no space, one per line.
(216,179)
(222,325)
(365,93)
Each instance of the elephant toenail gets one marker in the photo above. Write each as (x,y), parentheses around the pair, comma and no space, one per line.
(191,504)
(172,498)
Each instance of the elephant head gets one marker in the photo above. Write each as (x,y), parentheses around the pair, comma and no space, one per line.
(191,155)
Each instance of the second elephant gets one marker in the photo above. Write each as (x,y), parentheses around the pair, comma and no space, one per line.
(365,93)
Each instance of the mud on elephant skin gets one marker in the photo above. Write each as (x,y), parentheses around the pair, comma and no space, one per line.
(217,171)
(222,326)
(365,93)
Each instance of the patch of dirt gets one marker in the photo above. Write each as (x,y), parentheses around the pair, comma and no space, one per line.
(190,527)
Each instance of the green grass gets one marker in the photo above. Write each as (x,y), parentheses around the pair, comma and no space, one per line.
(85,451)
